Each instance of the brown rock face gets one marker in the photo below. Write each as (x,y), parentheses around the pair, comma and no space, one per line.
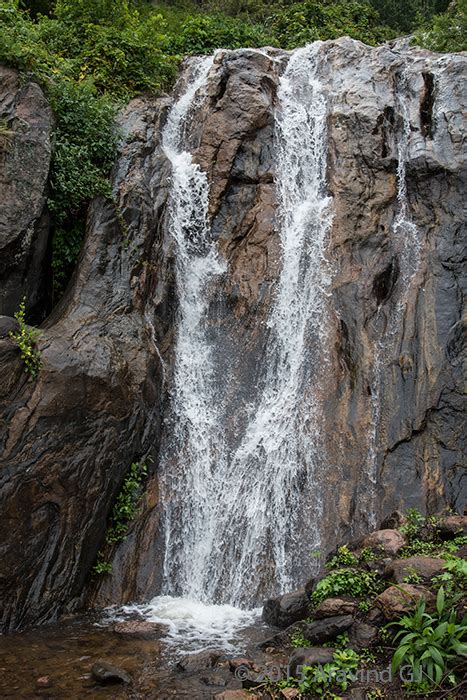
(389,541)
(390,391)
(425,567)
(25,151)
(397,600)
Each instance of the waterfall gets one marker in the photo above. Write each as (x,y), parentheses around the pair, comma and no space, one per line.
(238,524)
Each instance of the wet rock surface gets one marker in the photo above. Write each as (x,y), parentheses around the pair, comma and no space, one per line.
(287,609)
(98,402)
(25,153)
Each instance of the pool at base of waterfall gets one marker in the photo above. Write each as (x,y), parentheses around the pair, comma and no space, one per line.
(169,647)
(191,625)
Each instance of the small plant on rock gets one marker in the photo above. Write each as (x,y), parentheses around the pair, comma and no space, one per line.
(297,640)
(344,557)
(127,504)
(26,339)
(454,578)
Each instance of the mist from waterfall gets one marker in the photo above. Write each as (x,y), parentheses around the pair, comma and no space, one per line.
(237,523)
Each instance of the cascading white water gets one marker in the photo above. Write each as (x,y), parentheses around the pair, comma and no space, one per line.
(233,520)
(406,245)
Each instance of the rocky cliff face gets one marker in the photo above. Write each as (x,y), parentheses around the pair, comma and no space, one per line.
(390,394)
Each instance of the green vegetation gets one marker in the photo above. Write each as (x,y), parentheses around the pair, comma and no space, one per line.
(344,557)
(92,55)
(431,643)
(446,31)
(322,679)
(351,582)
(26,338)
(125,510)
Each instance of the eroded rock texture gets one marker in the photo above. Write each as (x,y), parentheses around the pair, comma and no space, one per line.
(390,391)
(25,150)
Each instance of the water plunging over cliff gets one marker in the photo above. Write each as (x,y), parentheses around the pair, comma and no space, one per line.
(238,521)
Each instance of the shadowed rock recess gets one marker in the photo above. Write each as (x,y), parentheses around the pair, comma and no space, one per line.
(390,393)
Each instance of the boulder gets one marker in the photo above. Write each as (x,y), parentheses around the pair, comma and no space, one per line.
(362,635)
(326,629)
(397,600)
(309,656)
(200,662)
(330,607)
(425,567)
(388,541)
(233,695)
(452,525)
(286,609)
(106,674)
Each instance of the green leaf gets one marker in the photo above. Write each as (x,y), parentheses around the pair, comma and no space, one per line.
(440,599)
(398,656)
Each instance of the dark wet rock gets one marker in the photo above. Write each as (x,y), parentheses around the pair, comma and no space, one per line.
(25,152)
(199,662)
(387,541)
(282,638)
(105,673)
(286,609)
(452,525)
(393,521)
(93,409)
(327,629)
(397,600)
(308,657)
(423,567)
(215,680)
(330,607)
(380,566)
(8,325)
(362,635)
(141,629)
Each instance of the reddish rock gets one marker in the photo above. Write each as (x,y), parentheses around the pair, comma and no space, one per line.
(44,682)
(397,600)
(233,695)
(425,567)
(336,606)
(453,525)
(389,541)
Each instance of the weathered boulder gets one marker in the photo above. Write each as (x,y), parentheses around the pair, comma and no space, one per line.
(25,152)
(286,609)
(326,629)
(389,541)
(362,635)
(452,525)
(424,567)
(331,607)
(107,674)
(140,629)
(199,662)
(309,656)
(397,600)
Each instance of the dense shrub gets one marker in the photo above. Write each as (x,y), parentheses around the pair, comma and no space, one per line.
(302,22)
(446,32)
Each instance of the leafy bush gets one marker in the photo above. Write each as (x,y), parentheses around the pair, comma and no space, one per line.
(203,33)
(454,577)
(26,338)
(430,642)
(351,582)
(447,31)
(302,22)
